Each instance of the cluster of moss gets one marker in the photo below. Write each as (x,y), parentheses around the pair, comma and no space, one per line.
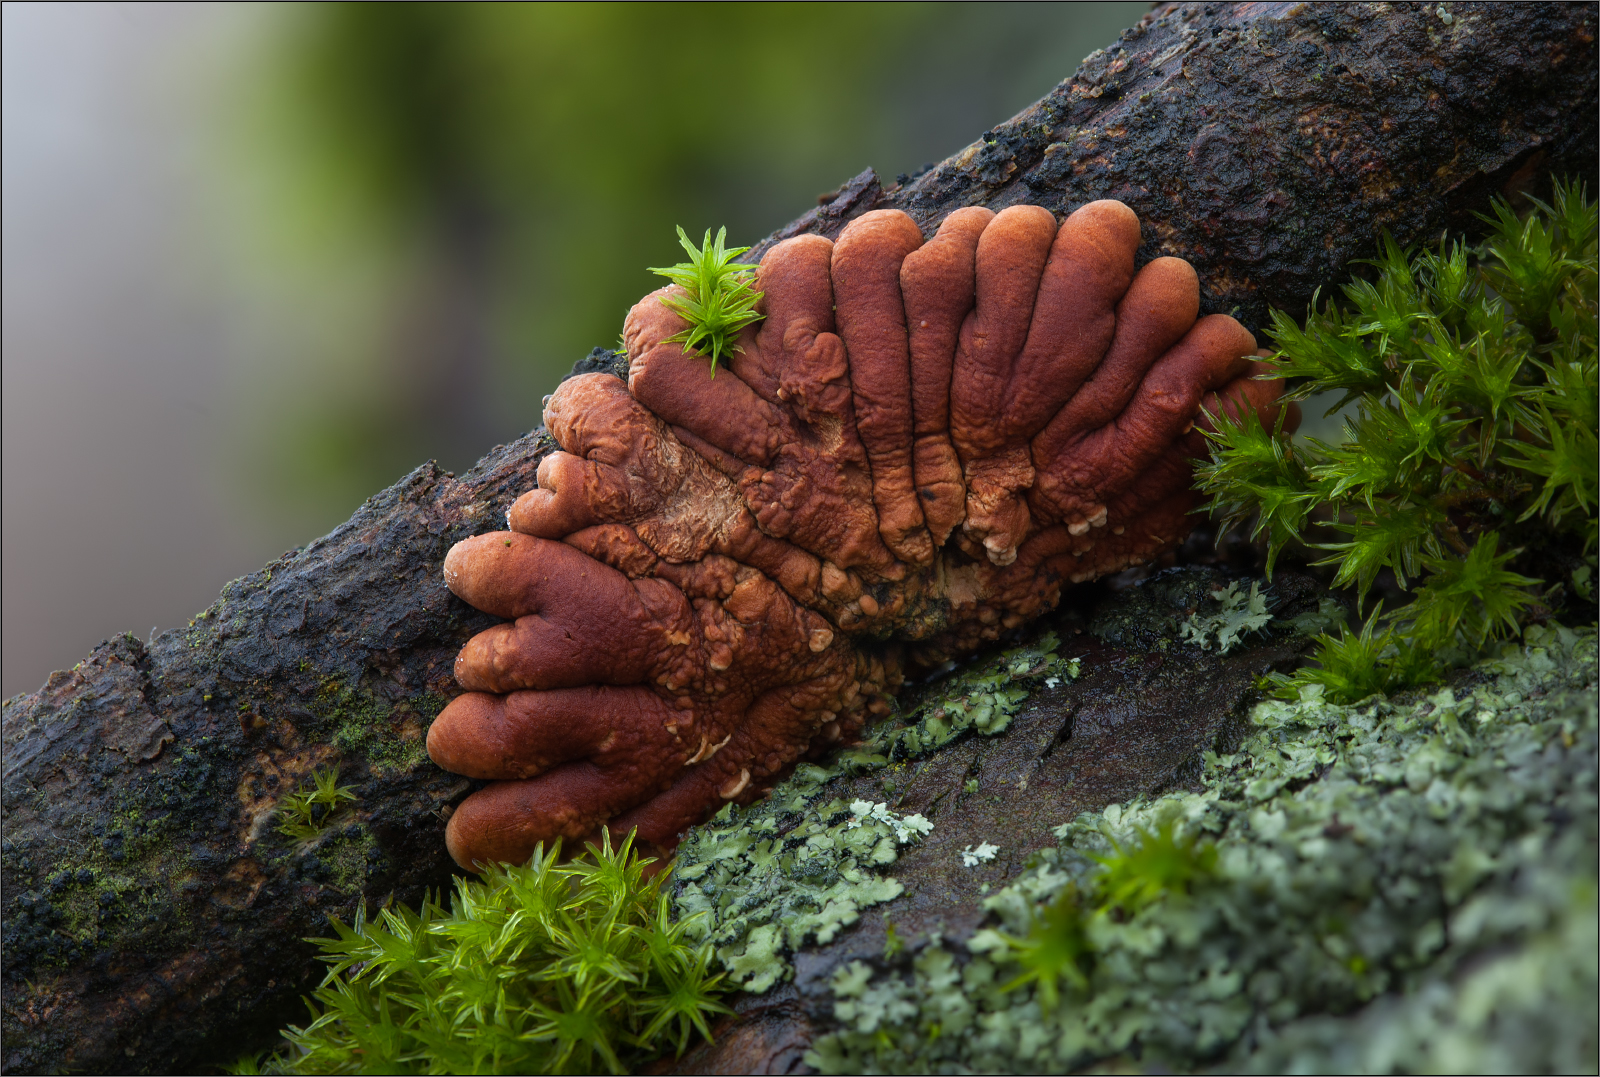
(329,845)
(306,813)
(800,865)
(1431,860)
(543,968)
(718,300)
(1468,467)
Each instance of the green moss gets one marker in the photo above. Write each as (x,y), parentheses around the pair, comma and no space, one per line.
(1469,461)
(351,857)
(427,707)
(543,968)
(717,299)
(81,914)
(304,814)
(1425,866)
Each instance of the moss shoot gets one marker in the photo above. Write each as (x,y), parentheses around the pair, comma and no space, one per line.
(1468,469)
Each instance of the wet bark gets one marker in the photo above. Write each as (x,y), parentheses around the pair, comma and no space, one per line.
(154,914)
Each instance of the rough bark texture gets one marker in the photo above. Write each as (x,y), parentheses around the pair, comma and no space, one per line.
(153,915)
(1269,144)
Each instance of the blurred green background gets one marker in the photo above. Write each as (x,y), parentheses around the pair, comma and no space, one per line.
(261,260)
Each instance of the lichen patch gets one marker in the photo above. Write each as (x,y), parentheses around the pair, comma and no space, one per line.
(1396,886)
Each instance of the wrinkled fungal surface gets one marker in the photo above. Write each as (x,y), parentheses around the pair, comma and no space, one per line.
(915,450)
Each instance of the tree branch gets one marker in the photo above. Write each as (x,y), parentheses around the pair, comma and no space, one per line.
(154,917)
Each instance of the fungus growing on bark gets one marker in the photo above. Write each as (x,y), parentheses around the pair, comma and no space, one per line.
(915,450)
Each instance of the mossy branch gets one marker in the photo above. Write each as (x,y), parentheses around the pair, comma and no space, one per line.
(1472,442)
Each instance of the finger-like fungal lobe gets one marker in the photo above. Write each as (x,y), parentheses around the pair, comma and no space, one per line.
(918,446)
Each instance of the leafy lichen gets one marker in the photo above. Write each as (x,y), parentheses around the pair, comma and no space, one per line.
(1398,886)
(785,871)
(982,698)
(1238,614)
(793,867)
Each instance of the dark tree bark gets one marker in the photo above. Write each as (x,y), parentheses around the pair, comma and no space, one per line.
(1270,144)
(154,916)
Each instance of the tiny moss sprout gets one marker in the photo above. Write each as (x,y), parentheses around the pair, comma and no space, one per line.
(1056,949)
(720,301)
(1157,863)
(549,967)
(1470,459)
(304,815)
(1354,665)
(893,944)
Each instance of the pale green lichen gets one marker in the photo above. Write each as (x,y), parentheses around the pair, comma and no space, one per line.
(1238,615)
(983,698)
(789,869)
(767,887)
(985,852)
(1393,886)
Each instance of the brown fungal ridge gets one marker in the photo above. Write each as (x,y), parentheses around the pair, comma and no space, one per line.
(916,450)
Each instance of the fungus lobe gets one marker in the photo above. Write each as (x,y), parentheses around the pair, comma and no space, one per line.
(915,450)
